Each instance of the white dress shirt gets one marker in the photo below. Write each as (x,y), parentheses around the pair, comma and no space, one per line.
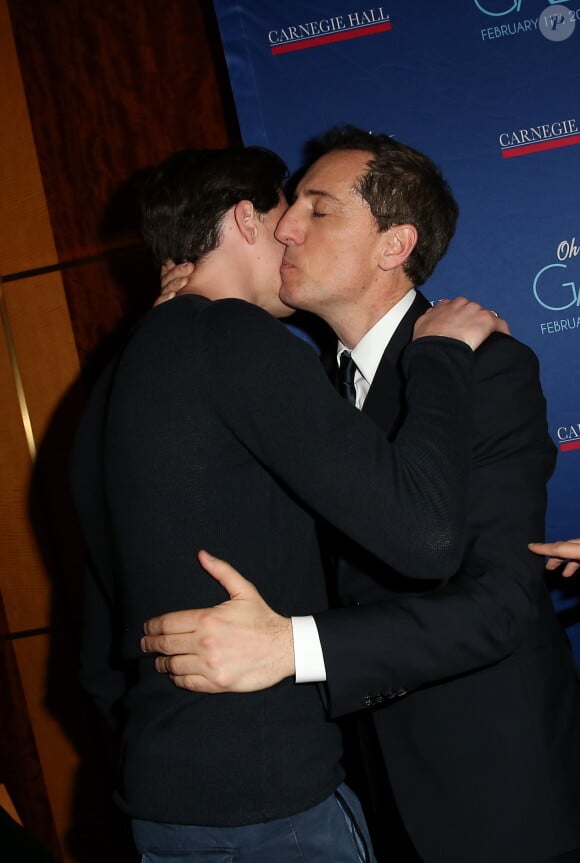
(308,656)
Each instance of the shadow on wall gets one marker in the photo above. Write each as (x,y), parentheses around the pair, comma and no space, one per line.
(105,298)
(96,831)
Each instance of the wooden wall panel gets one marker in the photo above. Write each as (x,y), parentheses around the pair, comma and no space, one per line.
(38,325)
(58,759)
(26,238)
(38,317)
(25,796)
(18,550)
(112,87)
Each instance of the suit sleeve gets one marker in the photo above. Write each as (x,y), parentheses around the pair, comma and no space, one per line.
(271,391)
(378,652)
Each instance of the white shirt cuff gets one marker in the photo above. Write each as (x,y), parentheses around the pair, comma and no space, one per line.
(308,656)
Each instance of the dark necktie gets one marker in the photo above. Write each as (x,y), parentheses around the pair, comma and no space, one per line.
(346,373)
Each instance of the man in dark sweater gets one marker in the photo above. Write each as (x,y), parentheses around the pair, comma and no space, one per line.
(217,428)
(468,688)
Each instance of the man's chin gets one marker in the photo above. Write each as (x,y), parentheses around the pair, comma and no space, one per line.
(282,310)
(285,297)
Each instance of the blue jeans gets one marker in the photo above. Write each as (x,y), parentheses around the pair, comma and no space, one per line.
(333,831)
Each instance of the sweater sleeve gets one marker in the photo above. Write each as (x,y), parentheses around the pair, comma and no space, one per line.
(271,391)
(101,672)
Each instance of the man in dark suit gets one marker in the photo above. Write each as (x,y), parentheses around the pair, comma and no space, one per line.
(469,686)
(217,427)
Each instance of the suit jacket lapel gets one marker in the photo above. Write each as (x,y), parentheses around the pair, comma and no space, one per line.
(384,400)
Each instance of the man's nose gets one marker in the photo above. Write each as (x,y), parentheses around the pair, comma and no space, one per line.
(287,231)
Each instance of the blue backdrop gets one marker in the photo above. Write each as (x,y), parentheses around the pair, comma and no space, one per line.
(490,90)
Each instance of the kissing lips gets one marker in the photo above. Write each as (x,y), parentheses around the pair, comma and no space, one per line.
(286,264)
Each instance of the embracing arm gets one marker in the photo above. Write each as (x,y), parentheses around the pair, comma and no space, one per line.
(210,641)
(273,394)
(380,651)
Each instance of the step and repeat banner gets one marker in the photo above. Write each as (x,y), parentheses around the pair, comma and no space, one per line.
(490,89)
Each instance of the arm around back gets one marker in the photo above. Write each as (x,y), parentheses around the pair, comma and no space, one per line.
(271,390)
(378,652)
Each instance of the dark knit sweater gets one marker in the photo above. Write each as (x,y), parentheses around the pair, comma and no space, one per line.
(217,429)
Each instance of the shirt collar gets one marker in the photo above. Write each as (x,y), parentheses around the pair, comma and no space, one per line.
(368,353)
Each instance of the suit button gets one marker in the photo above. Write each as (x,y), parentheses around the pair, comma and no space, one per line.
(373,700)
(395,693)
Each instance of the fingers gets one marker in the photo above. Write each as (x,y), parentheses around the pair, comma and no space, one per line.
(166,267)
(567,548)
(163,297)
(554,563)
(182,642)
(174,622)
(563,549)
(540,547)
(230,579)
(240,645)
(558,552)
(460,319)
(191,672)
(187,672)
(503,327)
(570,568)
(178,632)
(179,665)
(175,278)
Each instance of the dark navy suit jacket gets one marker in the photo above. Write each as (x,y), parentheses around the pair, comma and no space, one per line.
(470,685)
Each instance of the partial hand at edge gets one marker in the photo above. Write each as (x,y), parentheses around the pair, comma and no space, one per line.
(460,319)
(241,645)
(558,553)
(175,279)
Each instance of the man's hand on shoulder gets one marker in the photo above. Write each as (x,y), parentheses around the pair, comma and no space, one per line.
(460,319)
(241,645)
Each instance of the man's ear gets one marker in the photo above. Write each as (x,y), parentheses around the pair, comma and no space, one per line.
(246,220)
(398,243)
